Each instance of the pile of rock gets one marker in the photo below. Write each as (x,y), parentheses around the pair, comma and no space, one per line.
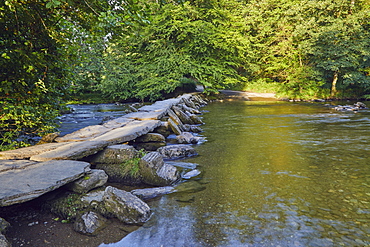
(130,150)
(355,107)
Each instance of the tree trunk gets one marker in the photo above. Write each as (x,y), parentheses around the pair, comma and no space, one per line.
(334,84)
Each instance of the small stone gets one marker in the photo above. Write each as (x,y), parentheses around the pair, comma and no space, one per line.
(89,223)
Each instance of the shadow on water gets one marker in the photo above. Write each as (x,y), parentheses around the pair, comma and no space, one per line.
(276,174)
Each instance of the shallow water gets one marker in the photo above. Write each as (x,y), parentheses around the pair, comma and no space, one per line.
(275,174)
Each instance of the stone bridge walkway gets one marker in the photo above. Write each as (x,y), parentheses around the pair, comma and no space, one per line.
(27,173)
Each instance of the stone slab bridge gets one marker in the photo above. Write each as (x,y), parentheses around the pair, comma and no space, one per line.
(30,172)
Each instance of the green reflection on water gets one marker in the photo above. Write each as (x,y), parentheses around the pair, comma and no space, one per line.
(276,169)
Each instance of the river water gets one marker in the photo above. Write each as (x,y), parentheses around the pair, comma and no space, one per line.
(273,174)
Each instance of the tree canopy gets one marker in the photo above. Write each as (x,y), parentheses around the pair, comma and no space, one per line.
(144,50)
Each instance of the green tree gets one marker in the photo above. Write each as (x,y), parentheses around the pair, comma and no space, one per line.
(185,42)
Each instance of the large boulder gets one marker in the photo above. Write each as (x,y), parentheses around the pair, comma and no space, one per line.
(93,179)
(125,206)
(114,154)
(89,223)
(177,151)
(124,173)
(155,172)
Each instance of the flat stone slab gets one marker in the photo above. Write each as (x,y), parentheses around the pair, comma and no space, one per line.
(72,151)
(84,134)
(27,152)
(160,105)
(128,132)
(28,181)
(6,165)
(152,115)
(118,122)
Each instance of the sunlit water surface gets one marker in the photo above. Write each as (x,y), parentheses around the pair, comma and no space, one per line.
(273,174)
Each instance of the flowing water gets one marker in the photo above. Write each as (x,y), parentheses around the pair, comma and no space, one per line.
(273,174)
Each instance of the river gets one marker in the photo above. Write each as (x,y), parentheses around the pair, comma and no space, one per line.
(273,174)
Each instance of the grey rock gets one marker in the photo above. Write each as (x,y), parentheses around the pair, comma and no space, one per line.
(118,122)
(191,174)
(3,241)
(149,193)
(189,103)
(89,223)
(118,173)
(129,132)
(95,196)
(38,179)
(188,138)
(72,151)
(174,127)
(93,179)
(186,108)
(192,128)
(84,134)
(151,137)
(151,115)
(27,152)
(160,105)
(163,129)
(177,151)
(185,119)
(175,118)
(114,154)
(185,165)
(155,172)
(4,225)
(196,119)
(125,206)
(150,146)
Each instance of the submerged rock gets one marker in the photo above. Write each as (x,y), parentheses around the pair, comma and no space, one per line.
(149,193)
(89,223)
(191,174)
(177,151)
(125,206)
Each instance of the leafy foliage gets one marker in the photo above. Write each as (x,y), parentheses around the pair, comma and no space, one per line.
(136,49)
(181,41)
